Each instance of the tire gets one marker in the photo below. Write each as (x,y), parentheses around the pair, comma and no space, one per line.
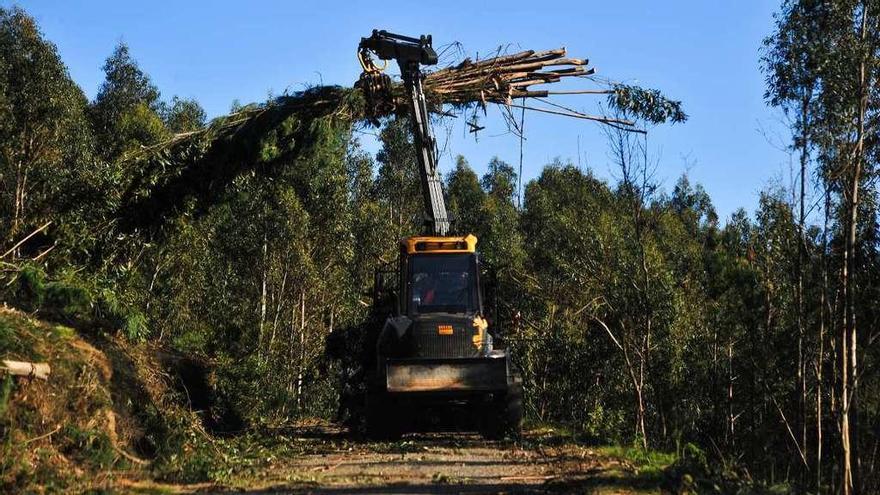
(504,414)
(382,421)
(514,410)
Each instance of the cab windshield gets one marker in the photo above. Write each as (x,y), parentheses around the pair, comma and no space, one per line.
(442,283)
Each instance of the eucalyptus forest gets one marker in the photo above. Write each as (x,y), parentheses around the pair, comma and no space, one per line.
(138,234)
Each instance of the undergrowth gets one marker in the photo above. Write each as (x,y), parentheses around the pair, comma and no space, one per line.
(101,407)
(71,298)
(90,447)
(690,470)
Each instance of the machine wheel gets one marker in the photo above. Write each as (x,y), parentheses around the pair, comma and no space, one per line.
(382,421)
(504,414)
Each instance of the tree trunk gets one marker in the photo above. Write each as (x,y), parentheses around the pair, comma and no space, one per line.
(849,347)
(262,328)
(279,308)
(641,419)
(730,430)
(846,460)
(19,204)
(820,355)
(799,296)
(16,206)
(302,351)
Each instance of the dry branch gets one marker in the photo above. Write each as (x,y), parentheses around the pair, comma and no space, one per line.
(528,478)
(130,457)
(576,115)
(19,243)
(45,435)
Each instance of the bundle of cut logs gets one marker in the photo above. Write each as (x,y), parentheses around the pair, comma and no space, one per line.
(507,78)
(500,79)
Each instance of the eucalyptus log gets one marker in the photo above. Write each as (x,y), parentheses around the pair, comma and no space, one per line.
(23,368)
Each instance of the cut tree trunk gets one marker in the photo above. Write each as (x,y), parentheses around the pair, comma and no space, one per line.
(30,370)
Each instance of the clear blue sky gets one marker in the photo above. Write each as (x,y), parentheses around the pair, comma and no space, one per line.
(704,53)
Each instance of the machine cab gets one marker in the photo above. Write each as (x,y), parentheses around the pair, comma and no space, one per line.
(438,307)
(439,275)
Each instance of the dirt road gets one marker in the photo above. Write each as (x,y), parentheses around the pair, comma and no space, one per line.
(330,462)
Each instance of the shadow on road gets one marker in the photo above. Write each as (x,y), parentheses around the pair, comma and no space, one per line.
(585,484)
(490,488)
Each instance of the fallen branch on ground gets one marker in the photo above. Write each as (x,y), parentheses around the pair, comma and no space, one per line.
(527,478)
(45,435)
(130,457)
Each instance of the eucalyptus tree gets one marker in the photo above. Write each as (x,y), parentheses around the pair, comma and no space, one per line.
(571,238)
(126,110)
(397,181)
(183,115)
(45,142)
(823,59)
(466,197)
(793,60)
(848,107)
(636,189)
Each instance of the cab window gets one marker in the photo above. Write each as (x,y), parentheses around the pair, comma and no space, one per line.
(442,283)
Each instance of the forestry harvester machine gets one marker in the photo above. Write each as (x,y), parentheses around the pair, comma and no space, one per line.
(434,351)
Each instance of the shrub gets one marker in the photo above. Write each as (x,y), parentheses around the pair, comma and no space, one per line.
(30,289)
(120,316)
(88,446)
(5,391)
(67,300)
